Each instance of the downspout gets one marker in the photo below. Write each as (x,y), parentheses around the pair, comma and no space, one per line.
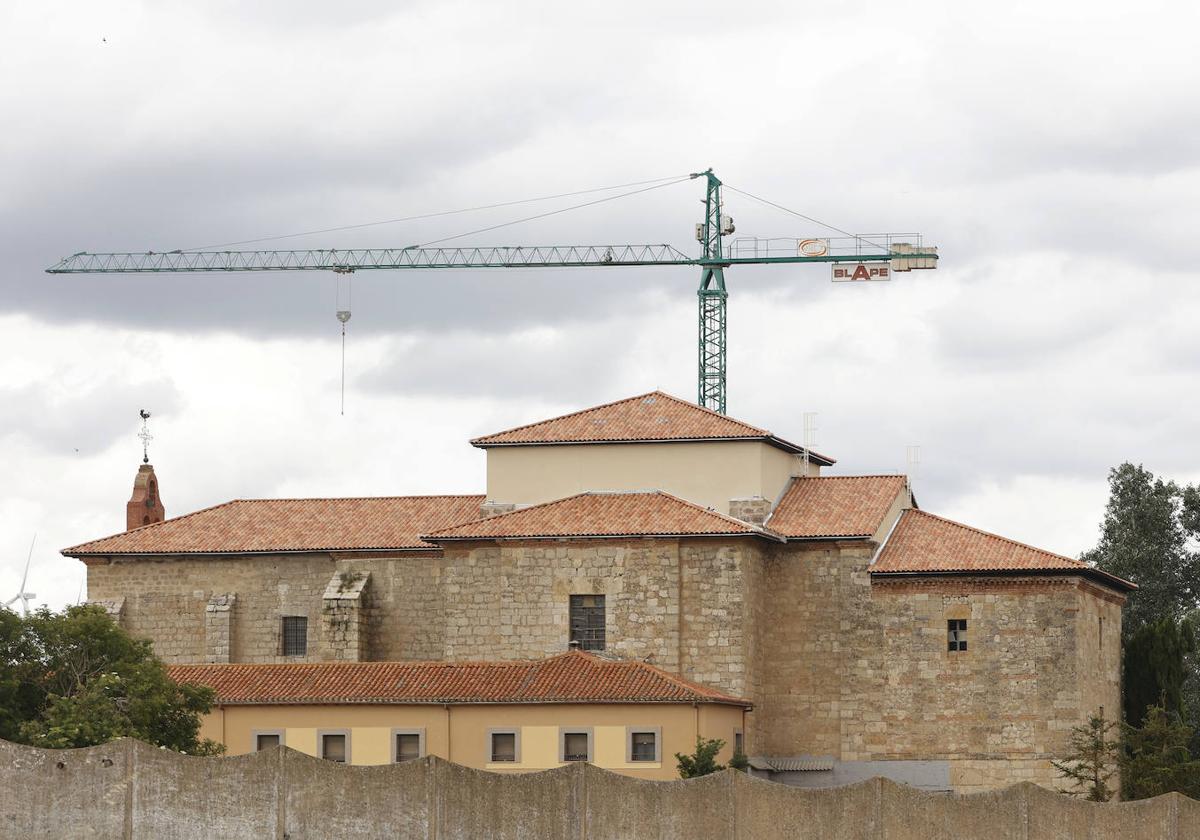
(448,753)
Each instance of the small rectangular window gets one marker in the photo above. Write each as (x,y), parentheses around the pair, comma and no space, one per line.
(408,746)
(503,746)
(334,747)
(576,746)
(587,621)
(956,634)
(738,744)
(643,746)
(295,635)
(267,740)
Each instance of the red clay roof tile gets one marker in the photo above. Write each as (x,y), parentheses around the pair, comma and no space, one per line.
(610,514)
(647,417)
(922,542)
(835,506)
(572,677)
(254,525)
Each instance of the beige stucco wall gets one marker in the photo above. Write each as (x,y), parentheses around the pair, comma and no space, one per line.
(706,473)
(460,733)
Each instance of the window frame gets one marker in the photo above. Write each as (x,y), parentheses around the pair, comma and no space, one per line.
(283,636)
(564,731)
(254,733)
(504,730)
(955,644)
(739,736)
(321,733)
(630,731)
(582,643)
(420,733)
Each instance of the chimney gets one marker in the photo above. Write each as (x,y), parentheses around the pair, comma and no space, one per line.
(145,507)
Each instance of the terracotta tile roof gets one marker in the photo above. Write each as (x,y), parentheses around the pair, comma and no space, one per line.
(611,514)
(924,543)
(253,525)
(573,677)
(647,417)
(835,506)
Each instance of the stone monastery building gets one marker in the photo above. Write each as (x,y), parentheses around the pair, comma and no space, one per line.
(720,582)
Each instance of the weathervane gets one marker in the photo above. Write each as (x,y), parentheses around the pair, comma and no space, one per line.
(145,435)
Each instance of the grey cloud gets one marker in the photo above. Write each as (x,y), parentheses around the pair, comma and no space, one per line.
(83,422)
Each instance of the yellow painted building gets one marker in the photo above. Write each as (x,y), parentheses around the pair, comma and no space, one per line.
(625,716)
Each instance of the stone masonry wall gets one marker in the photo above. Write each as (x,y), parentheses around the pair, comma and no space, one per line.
(511,601)
(861,671)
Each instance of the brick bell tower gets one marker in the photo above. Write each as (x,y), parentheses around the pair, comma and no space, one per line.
(145,506)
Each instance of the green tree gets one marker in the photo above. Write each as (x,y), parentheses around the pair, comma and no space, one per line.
(1092,761)
(1156,758)
(1156,668)
(80,680)
(1144,539)
(703,761)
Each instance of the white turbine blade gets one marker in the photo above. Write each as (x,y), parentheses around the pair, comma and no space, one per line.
(25,577)
(11,600)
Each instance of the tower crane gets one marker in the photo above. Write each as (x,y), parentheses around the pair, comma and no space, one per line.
(873,257)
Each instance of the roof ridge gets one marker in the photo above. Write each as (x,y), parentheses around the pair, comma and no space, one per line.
(865,475)
(1017,543)
(743,527)
(507,513)
(356,498)
(655,393)
(152,525)
(721,516)
(681,682)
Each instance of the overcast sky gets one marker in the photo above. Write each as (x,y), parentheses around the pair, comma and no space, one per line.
(1050,149)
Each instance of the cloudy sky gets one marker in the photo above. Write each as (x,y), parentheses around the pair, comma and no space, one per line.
(1050,149)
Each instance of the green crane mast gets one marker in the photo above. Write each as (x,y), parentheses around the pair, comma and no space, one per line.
(896,252)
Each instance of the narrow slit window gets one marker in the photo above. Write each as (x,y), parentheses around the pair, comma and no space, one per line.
(587,621)
(295,635)
(956,634)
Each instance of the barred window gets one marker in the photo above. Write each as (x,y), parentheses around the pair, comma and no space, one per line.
(587,621)
(643,745)
(503,746)
(956,634)
(408,746)
(575,746)
(335,747)
(295,635)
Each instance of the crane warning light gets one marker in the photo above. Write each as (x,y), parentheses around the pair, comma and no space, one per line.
(859,272)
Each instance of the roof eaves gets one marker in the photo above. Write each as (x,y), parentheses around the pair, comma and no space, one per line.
(1086,571)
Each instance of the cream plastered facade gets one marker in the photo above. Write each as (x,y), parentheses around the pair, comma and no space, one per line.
(460,733)
(707,473)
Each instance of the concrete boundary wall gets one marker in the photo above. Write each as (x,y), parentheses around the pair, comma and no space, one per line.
(128,789)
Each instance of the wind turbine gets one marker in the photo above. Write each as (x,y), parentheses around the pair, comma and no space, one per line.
(23,596)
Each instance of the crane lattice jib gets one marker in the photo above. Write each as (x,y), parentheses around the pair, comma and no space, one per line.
(903,251)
